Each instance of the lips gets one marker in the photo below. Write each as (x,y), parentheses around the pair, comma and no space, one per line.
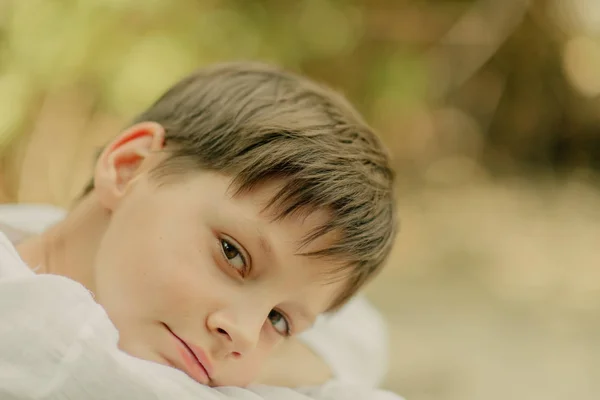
(195,361)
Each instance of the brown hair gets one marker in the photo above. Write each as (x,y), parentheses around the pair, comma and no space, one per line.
(255,122)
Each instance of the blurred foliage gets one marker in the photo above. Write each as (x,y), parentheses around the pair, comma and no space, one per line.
(458,89)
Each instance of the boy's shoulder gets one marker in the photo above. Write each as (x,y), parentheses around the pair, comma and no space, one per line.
(17,222)
(29,218)
(10,262)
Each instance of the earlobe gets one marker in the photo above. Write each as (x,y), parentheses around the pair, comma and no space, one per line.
(124,159)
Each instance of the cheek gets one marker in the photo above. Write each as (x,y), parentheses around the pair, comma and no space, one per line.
(137,280)
(185,286)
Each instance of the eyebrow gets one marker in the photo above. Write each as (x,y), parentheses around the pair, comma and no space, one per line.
(306,315)
(264,243)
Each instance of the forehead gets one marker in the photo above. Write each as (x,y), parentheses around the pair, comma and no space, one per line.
(255,205)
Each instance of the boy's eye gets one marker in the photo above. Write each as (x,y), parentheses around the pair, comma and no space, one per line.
(233,256)
(280,323)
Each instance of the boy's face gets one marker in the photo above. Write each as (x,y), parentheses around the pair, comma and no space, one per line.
(187,264)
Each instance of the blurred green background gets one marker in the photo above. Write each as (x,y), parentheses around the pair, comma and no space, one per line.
(491,109)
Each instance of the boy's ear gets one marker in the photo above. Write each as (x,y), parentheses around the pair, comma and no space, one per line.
(123,159)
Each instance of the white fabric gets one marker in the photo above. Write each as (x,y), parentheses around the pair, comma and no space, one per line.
(56,342)
(353,342)
(34,218)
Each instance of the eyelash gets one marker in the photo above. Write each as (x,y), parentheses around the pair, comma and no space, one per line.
(228,243)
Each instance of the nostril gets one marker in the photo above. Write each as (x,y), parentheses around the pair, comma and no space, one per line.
(235,354)
(222,331)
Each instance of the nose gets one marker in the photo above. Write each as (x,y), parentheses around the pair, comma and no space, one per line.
(238,331)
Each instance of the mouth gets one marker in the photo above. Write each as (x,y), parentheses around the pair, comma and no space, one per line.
(195,362)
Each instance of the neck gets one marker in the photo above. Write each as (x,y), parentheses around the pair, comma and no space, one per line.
(69,247)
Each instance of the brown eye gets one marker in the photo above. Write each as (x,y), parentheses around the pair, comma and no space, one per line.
(280,323)
(233,256)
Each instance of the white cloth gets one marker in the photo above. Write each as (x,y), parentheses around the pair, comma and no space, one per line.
(57,343)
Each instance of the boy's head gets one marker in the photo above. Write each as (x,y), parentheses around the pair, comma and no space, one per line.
(244,197)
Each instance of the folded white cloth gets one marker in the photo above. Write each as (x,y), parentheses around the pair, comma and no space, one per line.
(56,342)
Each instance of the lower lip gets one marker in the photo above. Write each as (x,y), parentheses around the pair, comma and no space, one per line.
(193,367)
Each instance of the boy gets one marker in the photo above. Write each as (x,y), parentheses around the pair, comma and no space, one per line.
(241,205)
